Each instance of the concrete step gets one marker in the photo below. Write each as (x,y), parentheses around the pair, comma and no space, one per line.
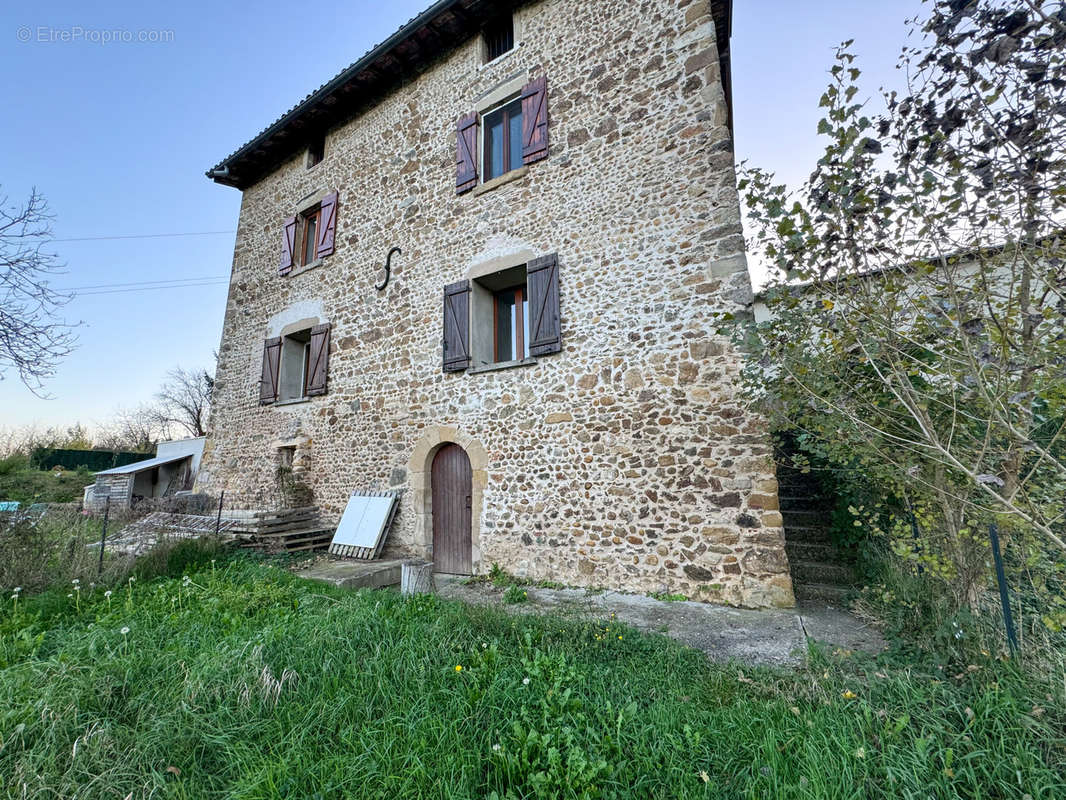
(819,591)
(801,502)
(815,534)
(822,572)
(822,551)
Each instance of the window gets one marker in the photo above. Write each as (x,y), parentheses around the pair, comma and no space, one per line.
(308,235)
(295,365)
(502,145)
(511,324)
(316,151)
(295,357)
(499,37)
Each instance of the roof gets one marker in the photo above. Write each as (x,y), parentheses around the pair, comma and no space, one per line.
(410,50)
(141,466)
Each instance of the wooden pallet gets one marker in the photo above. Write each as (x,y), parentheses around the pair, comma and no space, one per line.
(370,553)
(290,530)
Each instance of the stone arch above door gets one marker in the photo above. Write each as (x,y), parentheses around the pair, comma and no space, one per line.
(419,470)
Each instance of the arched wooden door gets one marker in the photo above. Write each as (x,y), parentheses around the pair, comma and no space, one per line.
(452,494)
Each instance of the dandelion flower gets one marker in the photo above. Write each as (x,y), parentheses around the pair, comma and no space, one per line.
(848,695)
(125,630)
(525,681)
(458,667)
(619,637)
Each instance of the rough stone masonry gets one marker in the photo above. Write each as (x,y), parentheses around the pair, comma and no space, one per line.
(627,460)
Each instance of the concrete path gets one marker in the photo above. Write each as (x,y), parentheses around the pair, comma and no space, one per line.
(775,637)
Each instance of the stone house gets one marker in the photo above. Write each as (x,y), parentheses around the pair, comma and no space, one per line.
(479,266)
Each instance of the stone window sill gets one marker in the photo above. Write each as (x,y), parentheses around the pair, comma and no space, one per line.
(304,268)
(293,402)
(500,180)
(522,362)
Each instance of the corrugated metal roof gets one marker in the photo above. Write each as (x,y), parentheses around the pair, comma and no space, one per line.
(141,466)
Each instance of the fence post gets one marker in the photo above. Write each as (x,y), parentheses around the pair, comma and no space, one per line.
(103,535)
(218,519)
(1004,596)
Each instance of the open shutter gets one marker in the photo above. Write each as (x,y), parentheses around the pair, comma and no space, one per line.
(542,284)
(318,360)
(288,246)
(457,326)
(268,384)
(327,226)
(465,147)
(535,120)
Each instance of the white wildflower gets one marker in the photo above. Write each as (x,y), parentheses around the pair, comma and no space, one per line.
(107,593)
(525,681)
(125,630)
(496,747)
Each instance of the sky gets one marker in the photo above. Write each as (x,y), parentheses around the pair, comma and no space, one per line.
(114,112)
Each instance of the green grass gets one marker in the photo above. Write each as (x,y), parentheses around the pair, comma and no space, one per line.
(19,481)
(245,682)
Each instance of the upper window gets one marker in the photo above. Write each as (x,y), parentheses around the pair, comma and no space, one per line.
(499,37)
(502,145)
(307,235)
(316,151)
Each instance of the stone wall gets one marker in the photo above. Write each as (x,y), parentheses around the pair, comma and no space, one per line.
(627,460)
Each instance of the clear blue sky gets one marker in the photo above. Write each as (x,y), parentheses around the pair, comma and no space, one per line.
(117,136)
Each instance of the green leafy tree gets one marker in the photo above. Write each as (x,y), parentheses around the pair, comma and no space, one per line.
(915,326)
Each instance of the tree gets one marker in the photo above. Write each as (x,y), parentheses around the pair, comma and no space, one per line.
(32,337)
(132,429)
(916,322)
(184,401)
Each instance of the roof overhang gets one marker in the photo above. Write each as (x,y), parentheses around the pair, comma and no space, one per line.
(141,466)
(411,50)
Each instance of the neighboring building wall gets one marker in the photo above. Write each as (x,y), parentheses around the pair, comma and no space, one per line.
(117,487)
(183,447)
(627,460)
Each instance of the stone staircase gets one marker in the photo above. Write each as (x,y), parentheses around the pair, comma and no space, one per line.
(820,571)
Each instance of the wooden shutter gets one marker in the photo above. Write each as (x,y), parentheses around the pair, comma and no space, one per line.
(542,284)
(318,360)
(268,384)
(327,226)
(456,326)
(288,246)
(535,120)
(465,148)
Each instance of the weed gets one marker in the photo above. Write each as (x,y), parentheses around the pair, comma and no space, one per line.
(515,594)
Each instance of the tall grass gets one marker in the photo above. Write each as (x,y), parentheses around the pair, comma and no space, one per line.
(238,680)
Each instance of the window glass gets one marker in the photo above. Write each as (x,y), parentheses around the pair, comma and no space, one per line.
(506,333)
(310,236)
(503,140)
(494,145)
(515,137)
